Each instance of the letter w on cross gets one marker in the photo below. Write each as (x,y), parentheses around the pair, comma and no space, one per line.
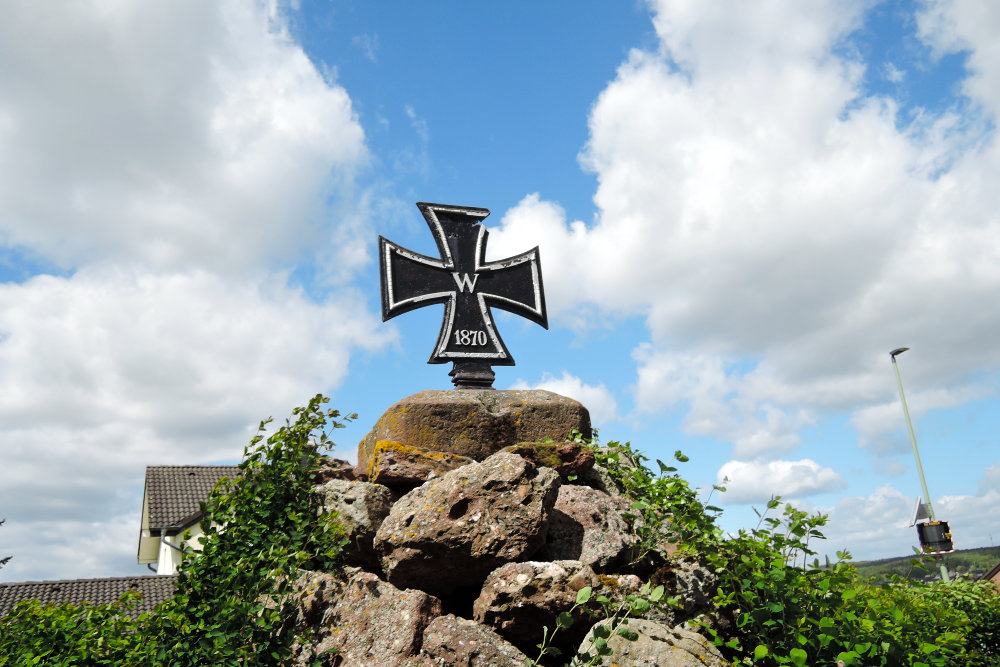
(465,281)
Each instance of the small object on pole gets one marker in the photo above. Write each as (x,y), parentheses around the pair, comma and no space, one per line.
(933,538)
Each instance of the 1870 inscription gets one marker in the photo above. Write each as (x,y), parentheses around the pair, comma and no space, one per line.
(467,285)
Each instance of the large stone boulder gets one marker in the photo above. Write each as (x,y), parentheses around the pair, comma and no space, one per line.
(450,641)
(520,599)
(566,457)
(361,619)
(331,468)
(589,525)
(361,508)
(694,586)
(401,466)
(452,531)
(657,645)
(598,477)
(475,422)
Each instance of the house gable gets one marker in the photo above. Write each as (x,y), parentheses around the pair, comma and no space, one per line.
(170,505)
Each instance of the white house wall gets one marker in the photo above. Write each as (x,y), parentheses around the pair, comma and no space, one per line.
(168,559)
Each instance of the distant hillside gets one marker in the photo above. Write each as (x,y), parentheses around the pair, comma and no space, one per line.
(967,563)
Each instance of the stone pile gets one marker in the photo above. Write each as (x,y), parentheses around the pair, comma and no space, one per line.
(472,527)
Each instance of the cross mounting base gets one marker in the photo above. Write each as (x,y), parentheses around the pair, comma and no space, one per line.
(472,375)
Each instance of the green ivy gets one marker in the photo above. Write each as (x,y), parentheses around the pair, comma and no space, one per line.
(664,506)
(67,635)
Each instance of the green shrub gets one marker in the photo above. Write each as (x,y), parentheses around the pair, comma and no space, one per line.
(784,610)
(232,596)
(66,635)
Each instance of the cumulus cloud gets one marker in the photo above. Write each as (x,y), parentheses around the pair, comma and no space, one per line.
(598,399)
(109,371)
(873,526)
(715,397)
(952,26)
(893,74)
(878,525)
(170,162)
(779,229)
(176,135)
(990,480)
(756,482)
(878,425)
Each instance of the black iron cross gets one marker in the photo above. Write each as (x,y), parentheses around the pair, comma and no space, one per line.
(467,285)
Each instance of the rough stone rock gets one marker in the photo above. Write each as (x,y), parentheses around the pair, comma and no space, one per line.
(452,531)
(693,584)
(331,468)
(658,645)
(450,641)
(368,622)
(361,507)
(397,465)
(588,525)
(519,599)
(475,422)
(566,458)
(599,478)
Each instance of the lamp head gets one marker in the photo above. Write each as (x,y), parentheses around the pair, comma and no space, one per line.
(898,350)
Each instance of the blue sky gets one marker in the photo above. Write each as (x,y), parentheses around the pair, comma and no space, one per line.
(740,208)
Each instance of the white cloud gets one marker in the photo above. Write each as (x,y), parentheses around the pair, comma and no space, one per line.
(875,526)
(756,482)
(967,25)
(716,401)
(990,480)
(893,73)
(779,231)
(878,425)
(172,135)
(73,549)
(971,517)
(598,400)
(174,160)
(878,525)
(110,371)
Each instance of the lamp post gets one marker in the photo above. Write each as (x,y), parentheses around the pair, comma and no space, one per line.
(913,441)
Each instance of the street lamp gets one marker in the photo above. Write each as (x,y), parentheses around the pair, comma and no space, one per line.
(939,529)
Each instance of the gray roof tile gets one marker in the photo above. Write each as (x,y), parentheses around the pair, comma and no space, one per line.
(153,588)
(173,492)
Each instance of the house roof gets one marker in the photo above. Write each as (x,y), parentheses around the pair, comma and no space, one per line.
(173,492)
(153,588)
(992,573)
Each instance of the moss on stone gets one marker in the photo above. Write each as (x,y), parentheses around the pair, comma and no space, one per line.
(383,446)
(545,453)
